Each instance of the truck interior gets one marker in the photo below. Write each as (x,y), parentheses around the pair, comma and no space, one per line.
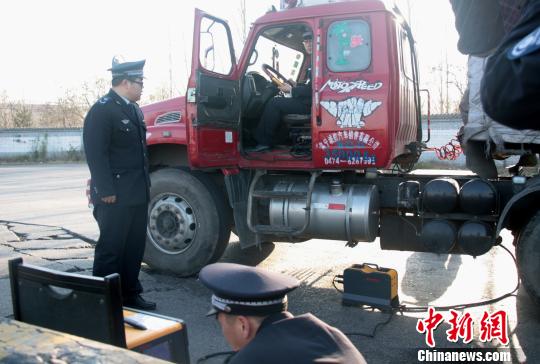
(278,56)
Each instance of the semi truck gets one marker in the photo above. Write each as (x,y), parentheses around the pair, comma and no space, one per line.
(341,172)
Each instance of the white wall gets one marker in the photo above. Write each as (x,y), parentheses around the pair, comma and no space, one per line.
(17,143)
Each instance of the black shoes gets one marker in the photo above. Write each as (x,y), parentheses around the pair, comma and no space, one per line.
(139,303)
(258,148)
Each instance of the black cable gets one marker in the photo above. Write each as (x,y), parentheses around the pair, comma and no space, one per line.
(339,279)
(374,332)
(213,355)
(403,308)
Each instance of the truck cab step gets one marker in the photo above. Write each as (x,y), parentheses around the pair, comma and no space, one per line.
(269,229)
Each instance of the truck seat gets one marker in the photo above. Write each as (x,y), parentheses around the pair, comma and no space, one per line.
(299,130)
(297,120)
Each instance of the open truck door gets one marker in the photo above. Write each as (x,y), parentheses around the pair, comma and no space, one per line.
(213,102)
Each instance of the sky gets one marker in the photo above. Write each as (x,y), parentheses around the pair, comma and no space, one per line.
(51,46)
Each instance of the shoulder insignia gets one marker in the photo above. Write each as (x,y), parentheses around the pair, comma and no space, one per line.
(104,100)
(525,46)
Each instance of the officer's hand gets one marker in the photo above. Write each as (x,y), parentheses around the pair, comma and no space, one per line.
(109,199)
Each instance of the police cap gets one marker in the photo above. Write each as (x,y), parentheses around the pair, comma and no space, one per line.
(307,35)
(120,69)
(243,290)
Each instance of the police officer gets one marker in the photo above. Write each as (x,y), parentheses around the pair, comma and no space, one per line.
(299,103)
(251,307)
(114,138)
(511,83)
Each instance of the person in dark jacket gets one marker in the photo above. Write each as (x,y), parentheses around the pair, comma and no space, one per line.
(511,84)
(482,25)
(299,103)
(114,137)
(251,307)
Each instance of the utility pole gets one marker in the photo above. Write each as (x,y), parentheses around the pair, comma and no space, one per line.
(187,67)
(409,12)
(243,11)
(447,104)
(170,66)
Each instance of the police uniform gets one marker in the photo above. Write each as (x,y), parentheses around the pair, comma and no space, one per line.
(114,138)
(511,83)
(281,337)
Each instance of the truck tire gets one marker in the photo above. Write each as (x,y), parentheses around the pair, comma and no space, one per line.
(188,222)
(528,257)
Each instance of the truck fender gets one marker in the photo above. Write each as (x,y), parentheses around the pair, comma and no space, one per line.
(519,205)
(168,155)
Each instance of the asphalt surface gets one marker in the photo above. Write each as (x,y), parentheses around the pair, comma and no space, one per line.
(44,219)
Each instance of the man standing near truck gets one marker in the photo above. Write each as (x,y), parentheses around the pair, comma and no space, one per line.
(114,138)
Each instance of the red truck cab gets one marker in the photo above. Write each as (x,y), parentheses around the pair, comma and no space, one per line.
(329,177)
(365,111)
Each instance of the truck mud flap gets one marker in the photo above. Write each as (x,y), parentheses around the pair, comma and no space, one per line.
(237,188)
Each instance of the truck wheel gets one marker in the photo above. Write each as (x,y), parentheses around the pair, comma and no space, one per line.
(528,257)
(188,222)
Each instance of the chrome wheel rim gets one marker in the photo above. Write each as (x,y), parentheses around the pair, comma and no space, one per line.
(172,224)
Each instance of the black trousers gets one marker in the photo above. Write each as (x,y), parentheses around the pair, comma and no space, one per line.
(267,130)
(120,248)
(478,161)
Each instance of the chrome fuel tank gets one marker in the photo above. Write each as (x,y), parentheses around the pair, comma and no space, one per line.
(337,211)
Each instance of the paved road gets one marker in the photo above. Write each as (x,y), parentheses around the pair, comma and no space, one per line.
(54,196)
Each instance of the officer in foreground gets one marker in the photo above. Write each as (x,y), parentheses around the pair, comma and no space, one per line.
(511,83)
(251,307)
(114,138)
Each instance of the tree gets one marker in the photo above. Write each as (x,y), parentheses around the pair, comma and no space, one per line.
(161,93)
(5,118)
(69,110)
(91,92)
(66,112)
(448,84)
(21,114)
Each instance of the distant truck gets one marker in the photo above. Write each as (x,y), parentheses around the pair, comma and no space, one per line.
(343,172)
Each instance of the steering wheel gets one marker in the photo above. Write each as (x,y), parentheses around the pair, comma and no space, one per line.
(277,78)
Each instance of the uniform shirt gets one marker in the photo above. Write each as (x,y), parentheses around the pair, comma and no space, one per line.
(125,99)
(511,84)
(283,338)
(114,137)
